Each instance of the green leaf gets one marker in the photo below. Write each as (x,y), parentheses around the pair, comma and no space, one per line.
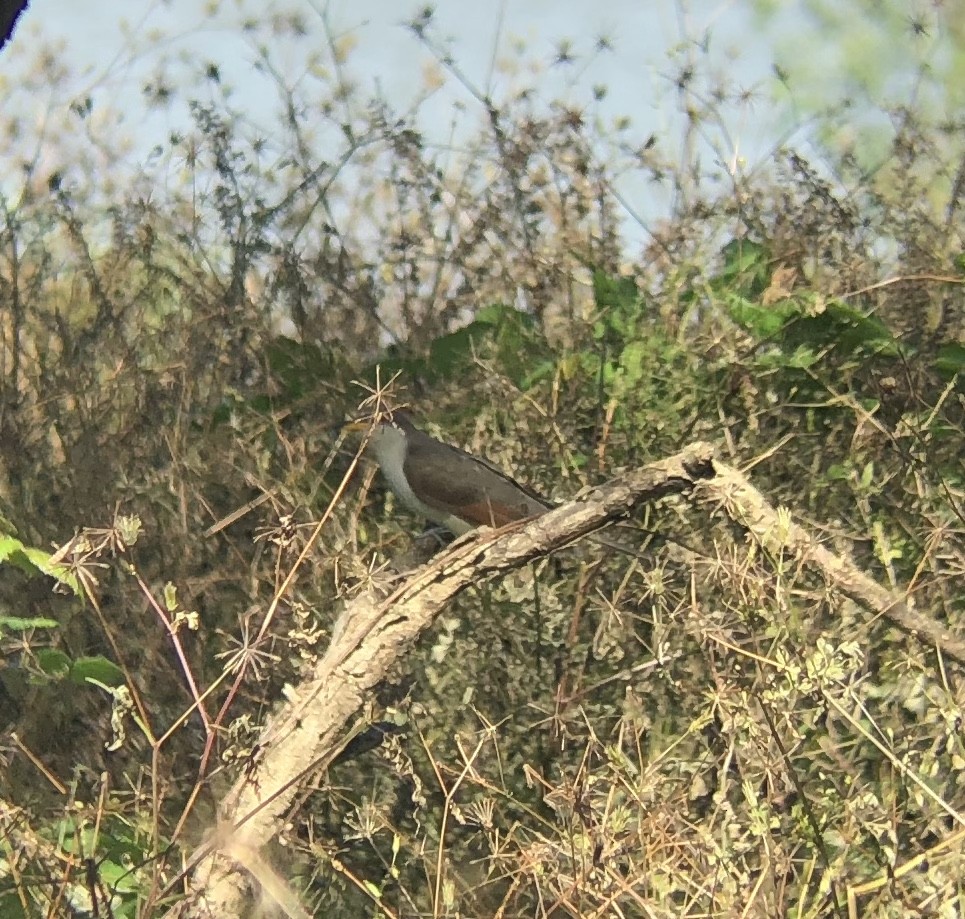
(742,255)
(499,314)
(11,906)
(801,359)
(453,352)
(950,359)
(745,270)
(59,573)
(34,561)
(299,367)
(53,662)
(96,668)
(500,331)
(543,370)
(838,472)
(618,303)
(860,330)
(19,624)
(619,292)
(8,546)
(632,362)
(762,321)
(170,597)
(843,328)
(118,877)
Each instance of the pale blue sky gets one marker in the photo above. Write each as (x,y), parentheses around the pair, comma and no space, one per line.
(96,45)
(111,51)
(641,31)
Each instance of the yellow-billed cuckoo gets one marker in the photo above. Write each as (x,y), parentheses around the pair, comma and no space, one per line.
(442,483)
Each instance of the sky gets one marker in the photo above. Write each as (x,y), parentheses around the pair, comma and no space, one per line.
(110,58)
(109,52)
(95,37)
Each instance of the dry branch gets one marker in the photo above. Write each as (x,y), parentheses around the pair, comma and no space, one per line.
(376,632)
(776,532)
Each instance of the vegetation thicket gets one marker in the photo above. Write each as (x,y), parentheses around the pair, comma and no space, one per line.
(713,727)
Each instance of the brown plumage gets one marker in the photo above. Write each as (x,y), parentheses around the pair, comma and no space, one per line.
(445,484)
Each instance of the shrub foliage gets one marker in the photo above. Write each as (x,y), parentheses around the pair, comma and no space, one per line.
(705,728)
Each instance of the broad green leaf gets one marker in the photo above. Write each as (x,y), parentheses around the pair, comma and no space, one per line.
(96,668)
(617,292)
(745,269)
(35,561)
(950,359)
(53,662)
(8,546)
(742,255)
(117,877)
(618,306)
(838,472)
(762,321)
(801,358)
(41,560)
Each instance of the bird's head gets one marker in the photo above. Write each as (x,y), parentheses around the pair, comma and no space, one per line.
(385,432)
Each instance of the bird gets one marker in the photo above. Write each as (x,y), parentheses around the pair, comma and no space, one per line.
(443,484)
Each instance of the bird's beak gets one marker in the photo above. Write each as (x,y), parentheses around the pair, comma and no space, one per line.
(354,427)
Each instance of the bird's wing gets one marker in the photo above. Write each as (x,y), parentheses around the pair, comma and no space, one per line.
(455,482)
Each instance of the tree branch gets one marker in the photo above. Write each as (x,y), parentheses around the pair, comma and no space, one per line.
(776,532)
(374,633)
